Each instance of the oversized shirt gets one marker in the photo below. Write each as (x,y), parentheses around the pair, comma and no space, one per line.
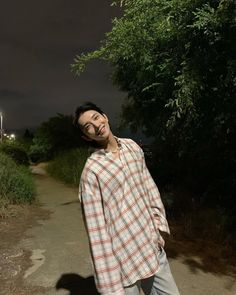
(123,213)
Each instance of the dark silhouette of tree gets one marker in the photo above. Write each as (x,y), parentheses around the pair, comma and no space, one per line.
(28,135)
(55,135)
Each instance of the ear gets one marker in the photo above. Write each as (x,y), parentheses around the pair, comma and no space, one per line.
(86,138)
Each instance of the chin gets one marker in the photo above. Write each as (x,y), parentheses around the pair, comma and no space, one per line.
(104,137)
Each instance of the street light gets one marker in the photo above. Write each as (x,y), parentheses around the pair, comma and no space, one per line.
(1,130)
(12,136)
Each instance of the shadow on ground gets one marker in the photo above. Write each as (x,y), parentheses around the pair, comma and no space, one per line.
(200,254)
(76,284)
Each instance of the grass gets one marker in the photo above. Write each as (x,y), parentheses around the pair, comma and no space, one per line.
(16,186)
(67,166)
(4,208)
(211,256)
(200,231)
(16,151)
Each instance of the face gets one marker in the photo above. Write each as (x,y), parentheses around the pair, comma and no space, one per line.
(94,125)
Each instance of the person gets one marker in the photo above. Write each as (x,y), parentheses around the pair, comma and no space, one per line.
(123,212)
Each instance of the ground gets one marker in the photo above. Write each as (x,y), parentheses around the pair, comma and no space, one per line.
(44,250)
(15,260)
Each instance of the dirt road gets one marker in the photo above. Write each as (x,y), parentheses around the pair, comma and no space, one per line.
(52,256)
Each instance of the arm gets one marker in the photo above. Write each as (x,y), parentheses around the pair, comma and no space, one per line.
(107,270)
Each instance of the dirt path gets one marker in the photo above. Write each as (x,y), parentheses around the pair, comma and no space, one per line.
(52,256)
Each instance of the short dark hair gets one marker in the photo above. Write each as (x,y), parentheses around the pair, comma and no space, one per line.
(88,106)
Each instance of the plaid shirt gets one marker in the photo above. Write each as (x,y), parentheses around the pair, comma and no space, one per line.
(124,213)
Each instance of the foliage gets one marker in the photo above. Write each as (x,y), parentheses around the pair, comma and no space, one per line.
(16,184)
(67,166)
(16,151)
(41,149)
(54,135)
(176,61)
(25,140)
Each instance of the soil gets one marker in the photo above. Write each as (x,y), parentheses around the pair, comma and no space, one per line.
(14,260)
(215,257)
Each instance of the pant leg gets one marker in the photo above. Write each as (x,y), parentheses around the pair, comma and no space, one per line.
(162,283)
(133,289)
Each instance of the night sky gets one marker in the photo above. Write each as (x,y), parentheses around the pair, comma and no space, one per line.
(38,42)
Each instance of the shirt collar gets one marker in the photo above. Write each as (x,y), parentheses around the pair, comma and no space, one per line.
(101,151)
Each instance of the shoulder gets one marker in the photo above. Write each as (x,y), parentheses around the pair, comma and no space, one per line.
(90,165)
(130,143)
(94,164)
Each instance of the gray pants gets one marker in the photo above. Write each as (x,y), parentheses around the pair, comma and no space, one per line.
(162,283)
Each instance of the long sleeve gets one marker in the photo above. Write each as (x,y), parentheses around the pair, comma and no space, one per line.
(106,267)
(155,200)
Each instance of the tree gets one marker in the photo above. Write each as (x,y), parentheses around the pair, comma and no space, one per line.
(175,59)
(56,134)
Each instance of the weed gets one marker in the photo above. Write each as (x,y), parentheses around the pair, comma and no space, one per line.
(16,185)
(67,166)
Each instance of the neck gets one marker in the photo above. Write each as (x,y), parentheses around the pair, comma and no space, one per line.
(110,144)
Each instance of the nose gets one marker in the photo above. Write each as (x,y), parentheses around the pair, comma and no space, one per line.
(96,125)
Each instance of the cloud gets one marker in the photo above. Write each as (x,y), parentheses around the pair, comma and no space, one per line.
(6,94)
(39,40)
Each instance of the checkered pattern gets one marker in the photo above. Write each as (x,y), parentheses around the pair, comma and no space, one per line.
(124,213)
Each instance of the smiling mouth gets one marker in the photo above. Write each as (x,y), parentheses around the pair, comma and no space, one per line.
(101,130)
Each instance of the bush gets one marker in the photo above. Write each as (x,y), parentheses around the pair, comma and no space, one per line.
(67,166)
(16,185)
(197,219)
(16,151)
(40,150)
(54,135)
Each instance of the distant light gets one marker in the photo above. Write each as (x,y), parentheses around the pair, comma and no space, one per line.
(12,136)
